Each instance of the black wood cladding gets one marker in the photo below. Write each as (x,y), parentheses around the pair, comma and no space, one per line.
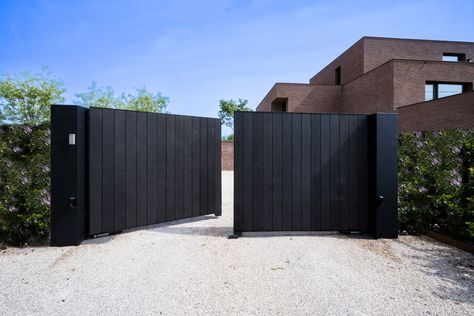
(300,172)
(149,168)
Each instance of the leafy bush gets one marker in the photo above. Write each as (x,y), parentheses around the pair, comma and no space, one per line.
(436,182)
(25,179)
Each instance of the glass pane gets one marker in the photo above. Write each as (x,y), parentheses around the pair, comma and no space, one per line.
(450,58)
(429,92)
(446,89)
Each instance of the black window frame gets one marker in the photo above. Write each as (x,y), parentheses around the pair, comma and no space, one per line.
(460,56)
(466,86)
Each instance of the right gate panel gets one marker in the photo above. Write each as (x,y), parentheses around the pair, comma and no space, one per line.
(300,172)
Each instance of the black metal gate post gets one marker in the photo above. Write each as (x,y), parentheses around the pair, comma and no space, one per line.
(383,167)
(68,171)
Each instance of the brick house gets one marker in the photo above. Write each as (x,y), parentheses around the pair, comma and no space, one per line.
(429,83)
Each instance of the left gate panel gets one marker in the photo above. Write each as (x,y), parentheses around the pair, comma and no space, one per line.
(149,168)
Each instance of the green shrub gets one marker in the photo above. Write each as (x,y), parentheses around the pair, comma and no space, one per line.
(436,182)
(25,183)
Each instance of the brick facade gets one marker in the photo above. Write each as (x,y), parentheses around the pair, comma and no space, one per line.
(381,75)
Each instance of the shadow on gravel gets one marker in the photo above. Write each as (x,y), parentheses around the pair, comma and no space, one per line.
(451,265)
(168,227)
(201,231)
(331,234)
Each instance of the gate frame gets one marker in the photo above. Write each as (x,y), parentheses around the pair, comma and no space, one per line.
(69,175)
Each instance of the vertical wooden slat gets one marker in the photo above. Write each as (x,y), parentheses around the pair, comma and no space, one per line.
(334,173)
(287,168)
(210,166)
(120,170)
(179,167)
(152,166)
(218,168)
(170,168)
(353,173)
(325,168)
(296,172)
(238,172)
(108,170)
(203,167)
(344,172)
(363,185)
(161,167)
(267,186)
(277,170)
(248,171)
(131,169)
(141,169)
(306,172)
(257,174)
(188,171)
(196,153)
(316,171)
(95,171)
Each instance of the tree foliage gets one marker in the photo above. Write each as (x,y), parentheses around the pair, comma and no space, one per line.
(26,98)
(140,100)
(227,109)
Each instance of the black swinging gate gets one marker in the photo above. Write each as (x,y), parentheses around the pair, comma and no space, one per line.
(315,172)
(116,169)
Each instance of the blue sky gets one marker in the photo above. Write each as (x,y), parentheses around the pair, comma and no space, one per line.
(197,52)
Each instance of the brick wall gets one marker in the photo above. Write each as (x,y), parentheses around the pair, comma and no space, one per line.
(373,92)
(351,62)
(380,50)
(304,97)
(227,155)
(450,112)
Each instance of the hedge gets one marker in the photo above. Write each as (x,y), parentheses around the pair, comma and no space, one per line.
(436,183)
(25,183)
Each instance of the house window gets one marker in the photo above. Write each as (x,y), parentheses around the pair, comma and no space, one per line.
(447,89)
(337,80)
(279,105)
(429,91)
(436,90)
(454,57)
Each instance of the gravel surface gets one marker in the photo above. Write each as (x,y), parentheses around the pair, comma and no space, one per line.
(190,267)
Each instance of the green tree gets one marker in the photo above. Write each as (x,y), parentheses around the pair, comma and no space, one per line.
(26,98)
(102,97)
(144,100)
(227,109)
(140,100)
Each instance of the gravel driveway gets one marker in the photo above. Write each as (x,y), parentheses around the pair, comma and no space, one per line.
(190,267)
